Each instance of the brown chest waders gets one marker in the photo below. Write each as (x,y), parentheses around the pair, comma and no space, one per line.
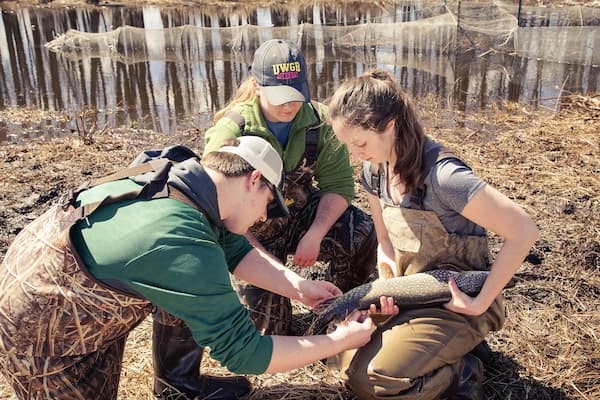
(350,246)
(423,353)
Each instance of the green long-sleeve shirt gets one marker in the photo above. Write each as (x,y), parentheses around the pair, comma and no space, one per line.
(333,172)
(169,253)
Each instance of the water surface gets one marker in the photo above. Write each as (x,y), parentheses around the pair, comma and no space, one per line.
(187,62)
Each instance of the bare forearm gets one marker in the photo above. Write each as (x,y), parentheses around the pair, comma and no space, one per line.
(254,241)
(495,212)
(263,270)
(330,208)
(290,352)
(507,262)
(305,350)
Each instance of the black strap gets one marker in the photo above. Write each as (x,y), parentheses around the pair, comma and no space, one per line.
(430,158)
(376,179)
(311,148)
(156,188)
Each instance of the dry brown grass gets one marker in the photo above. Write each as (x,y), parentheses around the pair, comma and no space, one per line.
(547,162)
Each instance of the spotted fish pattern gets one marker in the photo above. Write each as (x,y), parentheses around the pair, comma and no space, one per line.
(409,291)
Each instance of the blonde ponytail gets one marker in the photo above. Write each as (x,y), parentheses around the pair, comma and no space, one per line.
(244,93)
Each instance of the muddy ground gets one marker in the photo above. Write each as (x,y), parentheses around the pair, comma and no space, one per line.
(547,161)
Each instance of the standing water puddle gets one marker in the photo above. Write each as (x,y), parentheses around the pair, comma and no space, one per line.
(171,68)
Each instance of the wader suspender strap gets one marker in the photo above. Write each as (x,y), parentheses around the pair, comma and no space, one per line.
(432,157)
(417,197)
(376,179)
(157,188)
(311,149)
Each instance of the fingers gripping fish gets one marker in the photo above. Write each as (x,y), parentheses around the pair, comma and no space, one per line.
(409,291)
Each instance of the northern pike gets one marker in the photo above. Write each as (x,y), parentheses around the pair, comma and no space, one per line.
(408,291)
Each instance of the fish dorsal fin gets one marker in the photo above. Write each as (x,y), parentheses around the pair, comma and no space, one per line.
(385,271)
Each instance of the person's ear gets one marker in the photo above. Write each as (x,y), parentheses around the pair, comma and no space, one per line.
(256,87)
(391,124)
(254,178)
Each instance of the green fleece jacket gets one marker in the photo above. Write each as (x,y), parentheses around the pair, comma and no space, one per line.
(173,256)
(333,172)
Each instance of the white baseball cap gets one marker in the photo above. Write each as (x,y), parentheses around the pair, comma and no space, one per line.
(263,157)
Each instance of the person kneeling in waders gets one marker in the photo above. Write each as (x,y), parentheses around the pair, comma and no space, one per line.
(429,209)
(163,234)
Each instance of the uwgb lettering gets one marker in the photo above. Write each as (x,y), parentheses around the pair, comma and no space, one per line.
(286,70)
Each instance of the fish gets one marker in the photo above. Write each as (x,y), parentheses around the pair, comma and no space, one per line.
(408,291)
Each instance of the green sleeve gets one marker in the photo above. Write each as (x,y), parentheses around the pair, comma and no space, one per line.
(206,302)
(223,130)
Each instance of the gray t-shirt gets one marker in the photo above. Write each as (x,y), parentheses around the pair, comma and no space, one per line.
(449,185)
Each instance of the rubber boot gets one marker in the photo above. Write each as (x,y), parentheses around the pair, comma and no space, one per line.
(176,359)
(467,384)
(483,352)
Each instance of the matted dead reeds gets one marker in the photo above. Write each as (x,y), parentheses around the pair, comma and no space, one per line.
(546,160)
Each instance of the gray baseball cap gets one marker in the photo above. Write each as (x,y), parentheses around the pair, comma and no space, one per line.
(263,157)
(279,68)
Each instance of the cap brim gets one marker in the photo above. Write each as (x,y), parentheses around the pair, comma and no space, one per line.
(281,94)
(277,208)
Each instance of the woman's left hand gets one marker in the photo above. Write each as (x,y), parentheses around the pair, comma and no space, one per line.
(461,302)
(387,306)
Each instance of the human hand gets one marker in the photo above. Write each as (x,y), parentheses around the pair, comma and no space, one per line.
(308,249)
(312,292)
(462,303)
(355,331)
(387,307)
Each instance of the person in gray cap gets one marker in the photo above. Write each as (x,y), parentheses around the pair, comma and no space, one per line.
(275,103)
(165,233)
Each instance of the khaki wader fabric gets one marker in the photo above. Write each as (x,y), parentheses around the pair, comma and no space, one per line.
(413,355)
